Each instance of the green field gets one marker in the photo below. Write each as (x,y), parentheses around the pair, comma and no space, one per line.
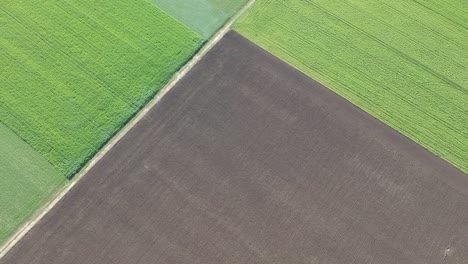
(73,72)
(26,181)
(203,16)
(404,62)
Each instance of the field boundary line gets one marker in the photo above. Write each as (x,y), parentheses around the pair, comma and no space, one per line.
(55,198)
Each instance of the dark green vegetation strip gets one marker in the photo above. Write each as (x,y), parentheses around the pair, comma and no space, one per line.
(203,16)
(26,180)
(405,62)
(73,72)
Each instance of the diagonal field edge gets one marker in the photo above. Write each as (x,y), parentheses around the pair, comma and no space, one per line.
(26,227)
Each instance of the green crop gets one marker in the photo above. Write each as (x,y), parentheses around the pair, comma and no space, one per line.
(73,72)
(404,62)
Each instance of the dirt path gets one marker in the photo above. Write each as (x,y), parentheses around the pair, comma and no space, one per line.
(62,192)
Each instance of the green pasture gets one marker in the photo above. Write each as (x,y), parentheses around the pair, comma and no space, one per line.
(202,16)
(26,180)
(404,62)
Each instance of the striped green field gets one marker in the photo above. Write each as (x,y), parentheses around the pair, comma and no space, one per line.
(26,181)
(404,62)
(202,16)
(73,72)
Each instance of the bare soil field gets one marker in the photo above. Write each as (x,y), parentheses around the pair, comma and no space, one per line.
(248,160)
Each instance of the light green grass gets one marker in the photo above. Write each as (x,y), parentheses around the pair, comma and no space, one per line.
(203,16)
(26,181)
(404,62)
(73,72)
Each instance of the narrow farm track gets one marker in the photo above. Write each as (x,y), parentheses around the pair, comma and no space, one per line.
(401,62)
(5,247)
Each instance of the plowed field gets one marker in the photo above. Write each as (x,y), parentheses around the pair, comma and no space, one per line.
(248,160)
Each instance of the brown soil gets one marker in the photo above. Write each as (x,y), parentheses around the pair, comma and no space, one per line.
(247,160)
